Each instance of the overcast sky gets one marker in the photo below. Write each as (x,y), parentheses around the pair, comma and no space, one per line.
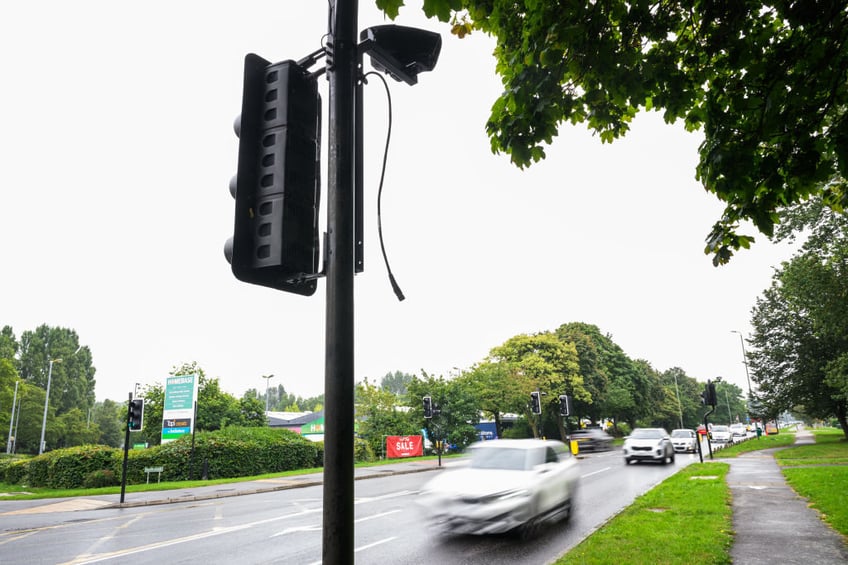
(117,149)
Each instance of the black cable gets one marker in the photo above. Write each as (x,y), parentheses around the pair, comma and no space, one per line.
(392,281)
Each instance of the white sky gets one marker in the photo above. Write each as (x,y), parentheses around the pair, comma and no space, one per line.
(116,152)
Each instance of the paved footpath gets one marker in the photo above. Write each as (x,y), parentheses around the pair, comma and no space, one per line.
(773,524)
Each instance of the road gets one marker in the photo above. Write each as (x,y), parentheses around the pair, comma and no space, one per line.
(285,526)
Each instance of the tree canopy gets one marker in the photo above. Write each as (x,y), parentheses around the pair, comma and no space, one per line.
(766,82)
(801,322)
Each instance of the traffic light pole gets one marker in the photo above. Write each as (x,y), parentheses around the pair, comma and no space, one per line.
(338,517)
(126,449)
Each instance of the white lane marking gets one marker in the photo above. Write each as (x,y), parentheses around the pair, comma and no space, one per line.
(595,472)
(317,527)
(364,547)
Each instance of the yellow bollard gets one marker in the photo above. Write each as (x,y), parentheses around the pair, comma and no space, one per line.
(574,447)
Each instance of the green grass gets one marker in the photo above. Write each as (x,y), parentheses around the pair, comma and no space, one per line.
(682,520)
(824,478)
(782,439)
(19,492)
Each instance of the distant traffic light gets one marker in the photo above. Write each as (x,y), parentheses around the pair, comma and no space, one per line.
(428,407)
(275,235)
(564,405)
(535,402)
(135,419)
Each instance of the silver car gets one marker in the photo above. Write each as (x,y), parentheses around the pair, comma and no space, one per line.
(648,444)
(509,484)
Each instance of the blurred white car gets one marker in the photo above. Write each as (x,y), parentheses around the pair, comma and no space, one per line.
(509,484)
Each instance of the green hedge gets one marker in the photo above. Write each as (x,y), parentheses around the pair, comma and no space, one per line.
(227,453)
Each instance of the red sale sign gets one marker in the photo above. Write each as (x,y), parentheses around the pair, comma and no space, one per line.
(404,446)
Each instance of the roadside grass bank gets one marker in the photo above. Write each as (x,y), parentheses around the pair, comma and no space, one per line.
(783,439)
(819,472)
(22,492)
(686,519)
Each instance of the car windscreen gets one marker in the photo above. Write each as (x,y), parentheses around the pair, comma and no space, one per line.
(719,428)
(681,433)
(501,458)
(646,434)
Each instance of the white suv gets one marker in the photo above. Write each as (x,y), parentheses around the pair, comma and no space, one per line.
(648,444)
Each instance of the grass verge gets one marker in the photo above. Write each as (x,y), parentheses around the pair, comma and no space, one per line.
(783,439)
(819,472)
(686,519)
(19,492)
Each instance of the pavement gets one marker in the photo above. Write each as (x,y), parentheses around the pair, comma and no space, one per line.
(772,524)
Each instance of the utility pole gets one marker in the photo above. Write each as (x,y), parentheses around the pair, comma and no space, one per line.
(337,540)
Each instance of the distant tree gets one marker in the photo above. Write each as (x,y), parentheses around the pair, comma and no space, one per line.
(378,415)
(767,82)
(395,382)
(497,391)
(73,428)
(800,323)
(110,417)
(72,380)
(457,405)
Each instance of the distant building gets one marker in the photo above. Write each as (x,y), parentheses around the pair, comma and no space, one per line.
(308,424)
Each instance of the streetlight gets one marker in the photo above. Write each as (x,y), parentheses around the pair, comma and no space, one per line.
(677,392)
(46,400)
(744,362)
(267,380)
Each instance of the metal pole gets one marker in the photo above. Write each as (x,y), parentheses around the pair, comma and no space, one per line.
(126,449)
(745,362)
(12,420)
(267,380)
(46,400)
(337,540)
(679,406)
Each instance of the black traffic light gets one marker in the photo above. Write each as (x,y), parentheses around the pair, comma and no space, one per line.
(708,397)
(535,402)
(135,419)
(428,407)
(275,236)
(564,405)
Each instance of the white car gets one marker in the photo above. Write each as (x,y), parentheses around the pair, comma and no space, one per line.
(509,484)
(648,444)
(738,430)
(721,434)
(685,441)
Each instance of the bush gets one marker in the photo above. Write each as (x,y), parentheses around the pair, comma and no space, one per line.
(362,451)
(17,472)
(101,478)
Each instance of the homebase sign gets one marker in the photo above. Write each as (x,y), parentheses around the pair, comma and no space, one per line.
(178,413)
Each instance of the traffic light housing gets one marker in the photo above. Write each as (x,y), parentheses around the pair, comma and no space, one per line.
(135,418)
(535,402)
(428,407)
(708,397)
(277,187)
(564,405)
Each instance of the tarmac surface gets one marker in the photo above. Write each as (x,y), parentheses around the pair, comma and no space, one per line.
(772,524)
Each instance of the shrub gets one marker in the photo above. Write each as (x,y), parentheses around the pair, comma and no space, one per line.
(362,451)
(101,478)
(17,472)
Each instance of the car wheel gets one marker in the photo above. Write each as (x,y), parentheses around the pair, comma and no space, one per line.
(672,457)
(626,461)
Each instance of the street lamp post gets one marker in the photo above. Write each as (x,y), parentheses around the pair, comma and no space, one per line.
(679,406)
(267,380)
(744,361)
(46,400)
